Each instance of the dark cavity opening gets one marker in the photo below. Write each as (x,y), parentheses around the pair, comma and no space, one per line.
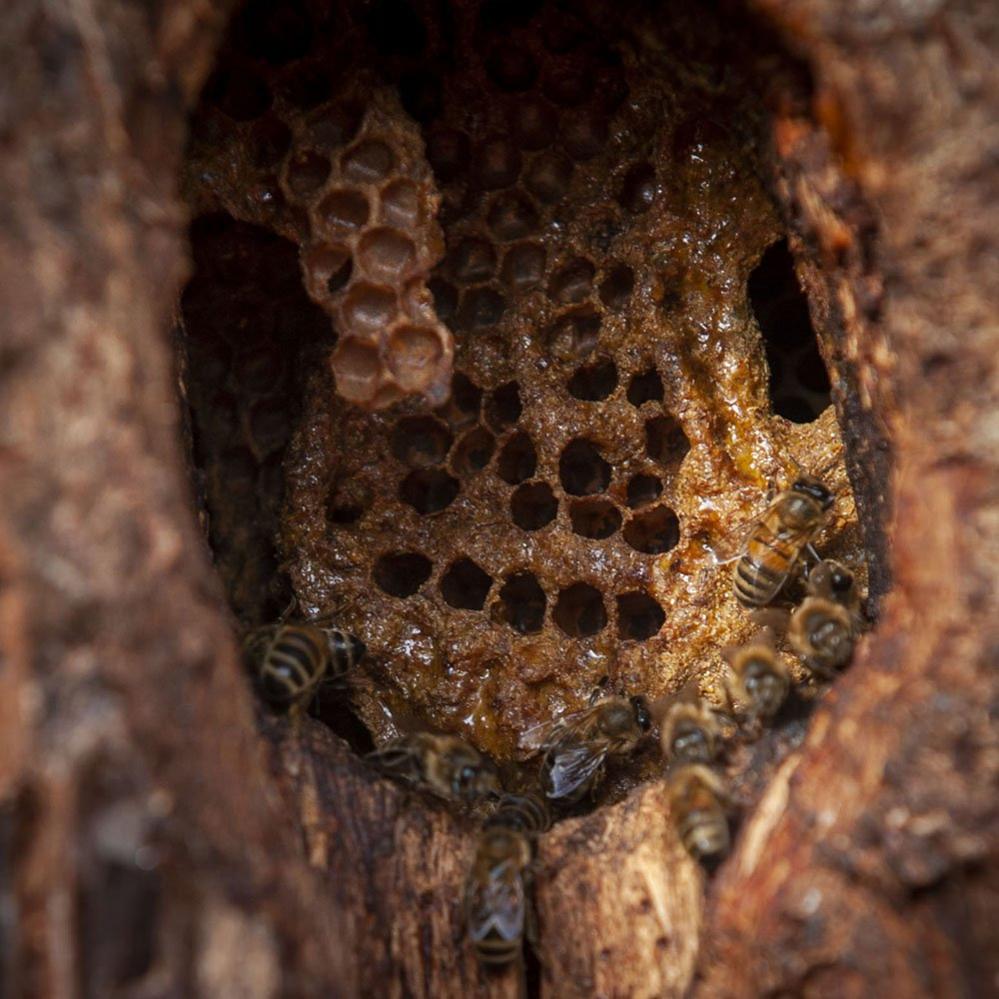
(582,470)
(653,532)
(639,617)
(503,407)
(521,603)
(665,441)
(420,441)
(643,489)
(799,382)
(517,460)
(429,490)
(533,506)
(462,409)
(465,585)
(616,288)
(580,611)
(645,387)
(594,518)
(401,574)
(473,451)
(594,382)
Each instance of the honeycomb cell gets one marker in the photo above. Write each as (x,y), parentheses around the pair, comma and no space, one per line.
(616,287)
(517,459)
(480,308)
(307,171)
(521,604)
(472,260)
(386,254)
(643,489)
(420,441)
(369,161)
(594,382)
(401,574)
(579,611)
(572,282)
(497,163)
(369,307)
(503,407)
(465,585)
(357,366)
(524,266)
(638,188)
(567,86)
(562,32)
(639,617)
(582,470)
(400,204)
(448,151)
(414,353)
(327,268)
(533,505)
(512,216)
(645,387)
(665,441)
(473,451)
(330,128)
(511,68)
(533,122)
(445,298)
(573,336)
(462,409)
(654,531)
(270,140)
(429,490)
(342,213)
(269,426)
(548,176)
(584,134)
(594,518)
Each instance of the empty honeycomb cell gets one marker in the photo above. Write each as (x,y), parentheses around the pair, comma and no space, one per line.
(414,353)
(511,68)
(420,441)
(331,127)
(327,269)
(462,408)
(647,386)
(643,489)
(654,531)
(582,470)
(533,505)
(503,407)
(594,518)
(269,426)
(638,188)
(306,173)
(567,86)
(473,451)
(429,490)
(386,254)
(306,85)
(573,336)
(357,367)
(521,603)
(617,286)
(594,382)
(448,151)
(472,260)
(465,585)
(342,213)
(480,307)
(533,122)
(579,611)
(445,298)
(346,504)
(524,266)
(369,161)
(497,163)
(270,140)
(548,176)
(400,204)
(239,92)
(584,133)
(368,307)
(512,216)
(517,459)
(401,574)
(665,441)
(572,282)
(639,617)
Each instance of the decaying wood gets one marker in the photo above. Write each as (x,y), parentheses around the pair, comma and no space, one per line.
(153,843)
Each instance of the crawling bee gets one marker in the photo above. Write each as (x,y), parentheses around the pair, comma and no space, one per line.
(831,580)
(758,677)
(698,800)
(577,746)
(689,728)
(497,909)
(823,630)
(444,764)
(291,660)
(777,540)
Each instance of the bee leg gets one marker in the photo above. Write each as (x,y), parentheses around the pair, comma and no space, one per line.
(811,554)
(819,670)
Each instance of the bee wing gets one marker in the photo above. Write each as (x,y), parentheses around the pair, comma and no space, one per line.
(396,759)
(732,546)
(496,906)
(542,735)
(572,767)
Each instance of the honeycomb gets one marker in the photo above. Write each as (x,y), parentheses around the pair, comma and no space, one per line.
(633,365)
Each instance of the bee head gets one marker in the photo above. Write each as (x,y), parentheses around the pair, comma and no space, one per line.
(814,489)
(691,744)
(475,778)
(840,579)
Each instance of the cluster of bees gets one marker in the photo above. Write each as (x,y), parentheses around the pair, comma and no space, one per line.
(292,660)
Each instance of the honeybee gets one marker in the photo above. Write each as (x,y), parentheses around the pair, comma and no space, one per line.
(577,746)
(291,660)
(758,677)
(778,538)
(444,764)
(497,909)
(831,580)
(823,630)
(698,799)
(689,728)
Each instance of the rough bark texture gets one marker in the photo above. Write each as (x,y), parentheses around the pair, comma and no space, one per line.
(151,842)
